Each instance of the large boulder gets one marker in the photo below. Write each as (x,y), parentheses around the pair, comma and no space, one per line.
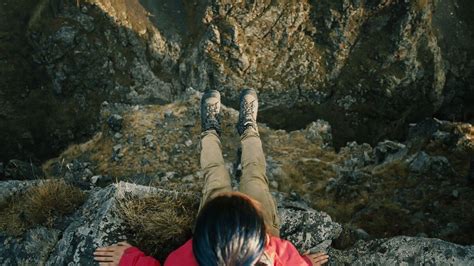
(404,250)
(98,223)
(361,185)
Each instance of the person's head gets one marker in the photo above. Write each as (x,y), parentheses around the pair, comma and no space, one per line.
(230,230)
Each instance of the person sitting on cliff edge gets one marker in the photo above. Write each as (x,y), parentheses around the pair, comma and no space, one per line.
(232,228)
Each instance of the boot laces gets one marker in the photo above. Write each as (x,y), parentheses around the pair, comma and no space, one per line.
(248,110)
(212,111)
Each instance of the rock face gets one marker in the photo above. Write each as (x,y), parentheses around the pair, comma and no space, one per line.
(367,67)
(97,223)
(422,185)
(369,71)
(157,145)
(404,250)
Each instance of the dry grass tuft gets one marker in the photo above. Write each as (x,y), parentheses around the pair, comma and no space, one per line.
(159,224)
(421,4)
(386,220)
(40,205)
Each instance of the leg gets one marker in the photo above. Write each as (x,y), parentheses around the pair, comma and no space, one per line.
(216,176)
(254,181)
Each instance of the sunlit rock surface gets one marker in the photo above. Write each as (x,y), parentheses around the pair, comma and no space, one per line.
(116,77)
(369,68)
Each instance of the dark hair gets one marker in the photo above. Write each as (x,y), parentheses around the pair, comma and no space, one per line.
(229,230)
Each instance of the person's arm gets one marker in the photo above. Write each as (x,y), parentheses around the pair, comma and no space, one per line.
(123,254)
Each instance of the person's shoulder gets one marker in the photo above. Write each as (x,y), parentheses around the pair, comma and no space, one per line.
(278,242)
(182,256)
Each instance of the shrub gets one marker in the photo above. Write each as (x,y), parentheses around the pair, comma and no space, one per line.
(43,205)
(159,224)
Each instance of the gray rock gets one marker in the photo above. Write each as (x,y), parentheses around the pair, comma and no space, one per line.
(117,152)
(66,36)
(168,176)
(388,151)
(361,155)
(442,136)
(188,178)
(115,122)
(117,148)
(92,226)
(321,247)
(332,183)
(97,223)
(188,143)
(422,163)
(361,234)
(274,170)
(168,113)
(320,131)
(32,249)
(307,229)
(274,184)
(14,187)
(148,141)
(441,165)
(87,173)
(87,22)
(403,250)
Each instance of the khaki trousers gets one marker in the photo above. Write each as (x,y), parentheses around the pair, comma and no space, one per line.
(253,182)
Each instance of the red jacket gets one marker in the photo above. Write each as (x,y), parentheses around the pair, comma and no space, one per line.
(281,251)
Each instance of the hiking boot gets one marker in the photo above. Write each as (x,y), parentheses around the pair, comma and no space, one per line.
(248,111)
(210,109)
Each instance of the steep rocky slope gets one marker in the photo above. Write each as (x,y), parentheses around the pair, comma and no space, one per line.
(421,188)
(367,67)
(425,183)
(362,165)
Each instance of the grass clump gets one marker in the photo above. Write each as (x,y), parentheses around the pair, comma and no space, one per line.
(43,205)
(159,224)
